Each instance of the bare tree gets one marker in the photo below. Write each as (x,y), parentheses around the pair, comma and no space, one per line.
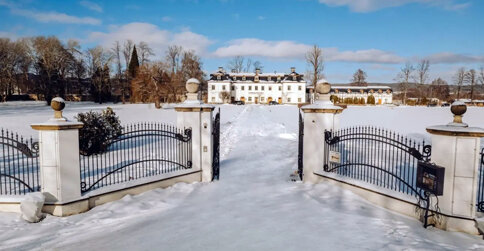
(225,96)
(173,55)
(459,80)
(422,75)
(359,78)
(98,68)
(236,64)
(404,79)
(315,61)
(145,52)
(471,79)
(481,75)
(51,63)
(440,89)
(120,82)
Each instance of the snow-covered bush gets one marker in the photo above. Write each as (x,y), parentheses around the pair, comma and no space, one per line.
(99,129)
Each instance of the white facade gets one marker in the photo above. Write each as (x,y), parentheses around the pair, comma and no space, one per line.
(256,88)
(382,94)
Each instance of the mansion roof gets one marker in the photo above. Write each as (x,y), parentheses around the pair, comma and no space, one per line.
(361,89)
(257,76)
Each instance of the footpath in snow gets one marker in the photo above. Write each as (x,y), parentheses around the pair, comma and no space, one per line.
(254,206)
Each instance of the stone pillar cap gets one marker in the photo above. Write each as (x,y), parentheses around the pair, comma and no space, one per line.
(450,130)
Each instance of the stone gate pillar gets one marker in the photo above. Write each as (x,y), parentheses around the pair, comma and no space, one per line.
(456,147)
(59,160)
(194,114)
(318,117)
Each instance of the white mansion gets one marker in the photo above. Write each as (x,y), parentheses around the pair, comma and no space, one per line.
(382,94)
(257,87)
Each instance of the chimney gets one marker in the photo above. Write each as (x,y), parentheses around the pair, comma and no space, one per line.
(293,69)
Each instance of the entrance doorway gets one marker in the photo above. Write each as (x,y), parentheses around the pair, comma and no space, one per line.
(279,100)
(269,100)
(256,100)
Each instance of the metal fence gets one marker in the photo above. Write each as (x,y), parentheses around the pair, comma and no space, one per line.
(142,150)
(376,156)
(19,164)
(216,147)
(300,151)
(480,188)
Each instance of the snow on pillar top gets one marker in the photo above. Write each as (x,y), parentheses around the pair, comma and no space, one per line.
(457,127)
(323,103)
(193,103)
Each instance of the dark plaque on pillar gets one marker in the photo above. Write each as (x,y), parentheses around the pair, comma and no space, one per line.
(430,178)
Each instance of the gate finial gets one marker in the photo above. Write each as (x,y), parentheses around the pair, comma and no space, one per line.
(458,108)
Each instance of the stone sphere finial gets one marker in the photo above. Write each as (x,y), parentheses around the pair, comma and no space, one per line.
(458,108)
(322,87)
(58,104)
(192,85)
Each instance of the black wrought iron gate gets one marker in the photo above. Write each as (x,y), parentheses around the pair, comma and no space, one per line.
(300,147)
(216,147)
(480,189)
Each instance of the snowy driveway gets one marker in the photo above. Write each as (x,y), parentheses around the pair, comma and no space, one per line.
(252,207)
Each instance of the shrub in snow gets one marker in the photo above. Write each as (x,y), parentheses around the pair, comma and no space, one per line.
(371,100)
(31,207)
(99,128)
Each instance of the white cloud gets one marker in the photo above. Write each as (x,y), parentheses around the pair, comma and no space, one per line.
(293,50)
(47,17)
(158,39)
(373,5)
(263,48)
(453,58)
(91,5)
(362,56)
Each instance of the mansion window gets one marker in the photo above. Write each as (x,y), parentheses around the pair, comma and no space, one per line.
(243,88)
(280,88)
(233,88)
(299,88)
(288,87)
(289,100)
(213,87)
(213,99)
(270,88)
(223,87)
(262,88)
(250,99)
(299,100)
(262,99)
(250,88)
(256,88)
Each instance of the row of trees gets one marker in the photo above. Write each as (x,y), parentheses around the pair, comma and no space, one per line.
(48,67)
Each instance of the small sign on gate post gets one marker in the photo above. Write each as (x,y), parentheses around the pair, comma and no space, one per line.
(334,157)
(430,178)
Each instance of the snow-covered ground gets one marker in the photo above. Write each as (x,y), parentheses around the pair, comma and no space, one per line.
(253,206)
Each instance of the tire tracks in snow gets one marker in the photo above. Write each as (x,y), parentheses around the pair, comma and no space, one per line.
(229,135)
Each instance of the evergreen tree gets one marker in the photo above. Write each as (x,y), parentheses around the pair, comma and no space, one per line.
(133,63)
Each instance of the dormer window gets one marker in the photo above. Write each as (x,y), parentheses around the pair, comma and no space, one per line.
(269,78)
(294,78)
(235,78)
(243,78)
(278,78)
(256,78)
(219,77)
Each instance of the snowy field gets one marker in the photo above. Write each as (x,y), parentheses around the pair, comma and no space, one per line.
(253,206)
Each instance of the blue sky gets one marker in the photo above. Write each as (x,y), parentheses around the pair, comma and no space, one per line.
(378,36)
